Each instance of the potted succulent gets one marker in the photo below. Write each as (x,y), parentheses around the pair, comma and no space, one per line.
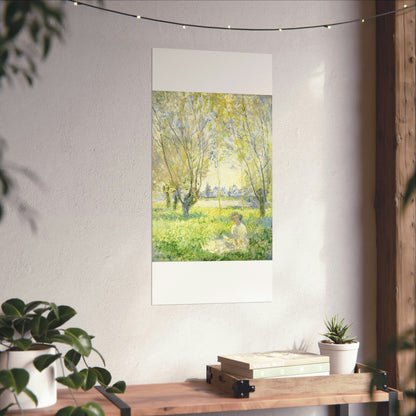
(340,346)
(31,336)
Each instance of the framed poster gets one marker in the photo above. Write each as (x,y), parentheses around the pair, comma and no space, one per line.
(211,177)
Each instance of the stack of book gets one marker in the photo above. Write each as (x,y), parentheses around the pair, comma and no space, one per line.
(275,364)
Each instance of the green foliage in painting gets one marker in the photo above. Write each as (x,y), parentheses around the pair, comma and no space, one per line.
(178,239)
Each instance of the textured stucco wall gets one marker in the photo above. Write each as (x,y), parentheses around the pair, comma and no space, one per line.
(85,129)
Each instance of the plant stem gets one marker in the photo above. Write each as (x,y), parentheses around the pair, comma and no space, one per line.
(18,403)
(63,374)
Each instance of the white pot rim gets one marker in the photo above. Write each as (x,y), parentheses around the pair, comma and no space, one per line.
(339,347)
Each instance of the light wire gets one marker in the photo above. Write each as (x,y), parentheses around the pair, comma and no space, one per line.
(246,29)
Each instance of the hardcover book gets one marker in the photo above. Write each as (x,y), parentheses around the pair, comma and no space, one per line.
(269,359)
(286,371)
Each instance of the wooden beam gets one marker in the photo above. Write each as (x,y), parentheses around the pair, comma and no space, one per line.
(395,163)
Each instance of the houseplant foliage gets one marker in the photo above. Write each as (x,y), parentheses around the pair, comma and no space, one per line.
(24,326)
(337,331)
(340,346)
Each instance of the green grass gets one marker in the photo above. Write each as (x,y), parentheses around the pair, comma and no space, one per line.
(176,238)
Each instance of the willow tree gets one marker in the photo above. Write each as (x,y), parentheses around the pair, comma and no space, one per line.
(183,138)
(250,126)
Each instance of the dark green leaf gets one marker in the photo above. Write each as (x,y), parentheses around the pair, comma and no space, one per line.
(33,305)
(77,338)
(103,375)
(22,343)
(119,387)
(88,409)
(59,315)
(39,328)
(34,28)
(410,188)
(90,379)
(98,353)
(73,381)
(93,409)
(31,396)
(46,45)
(44,361)
(6,332)
(71,360)
(4,410)
(15,379)
(22,325)
(13,307)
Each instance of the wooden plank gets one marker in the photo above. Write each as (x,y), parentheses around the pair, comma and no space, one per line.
(65,399)
(395,163)
(201,397)
(290,386)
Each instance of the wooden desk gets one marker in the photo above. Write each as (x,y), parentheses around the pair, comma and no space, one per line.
(200,397)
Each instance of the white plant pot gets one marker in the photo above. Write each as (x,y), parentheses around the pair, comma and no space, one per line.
(42,384)
(342,357)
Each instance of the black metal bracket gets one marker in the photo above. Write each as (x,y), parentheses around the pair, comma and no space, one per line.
(123,406)
(208,374)
(242,389)
(380,377)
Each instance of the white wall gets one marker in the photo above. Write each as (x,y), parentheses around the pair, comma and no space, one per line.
(85,129)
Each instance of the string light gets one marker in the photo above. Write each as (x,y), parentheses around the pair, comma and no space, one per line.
(247,29)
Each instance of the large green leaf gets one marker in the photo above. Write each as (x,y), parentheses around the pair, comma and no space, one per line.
(45,360)
(22,343)
(71,360)
(33,305)
(6,332)
(60,315)
(88,409)
(73,381)
(14,380)
(90,378)
(119,387)
(77,338)
(104,376)
(13,307)
(39,328)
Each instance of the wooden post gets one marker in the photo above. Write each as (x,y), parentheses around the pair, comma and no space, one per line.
(395,163)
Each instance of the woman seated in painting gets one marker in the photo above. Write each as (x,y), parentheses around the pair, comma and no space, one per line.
(236,241)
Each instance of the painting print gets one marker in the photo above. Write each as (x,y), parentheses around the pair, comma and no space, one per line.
(211,180)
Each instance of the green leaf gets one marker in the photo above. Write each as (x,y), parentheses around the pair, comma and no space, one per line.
(22,343)
(13,307)
(90,378)
(14,380)
(31,396)
(93,409)
(98,353)
(119,387)
(73,381)
(6,332)
(59,315)
(77,338)
(88,409)
(33,305)
(22,325)
(410,188)
(71,360)
(5,409)
(45,360)
(46,45)
(103,375)
(39,328)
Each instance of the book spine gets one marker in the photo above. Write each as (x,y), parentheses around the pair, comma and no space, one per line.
(293,370)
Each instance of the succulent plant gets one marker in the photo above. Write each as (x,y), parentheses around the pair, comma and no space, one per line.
(337,331)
